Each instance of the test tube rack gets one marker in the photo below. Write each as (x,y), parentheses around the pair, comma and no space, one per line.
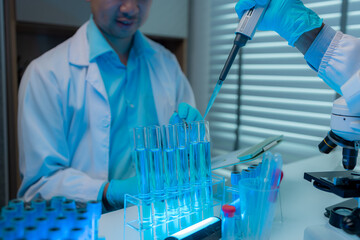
(136,228)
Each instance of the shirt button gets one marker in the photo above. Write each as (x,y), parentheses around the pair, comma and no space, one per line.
(132,105)
(105,123)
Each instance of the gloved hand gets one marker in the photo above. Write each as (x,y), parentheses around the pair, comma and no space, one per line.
(186,112)
(289,18)
(117,189)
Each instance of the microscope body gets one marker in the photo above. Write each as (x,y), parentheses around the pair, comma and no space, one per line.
(345,132)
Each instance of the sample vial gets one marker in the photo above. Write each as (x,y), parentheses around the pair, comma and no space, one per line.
(228,223)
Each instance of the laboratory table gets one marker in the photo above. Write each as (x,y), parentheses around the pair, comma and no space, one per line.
(302,204)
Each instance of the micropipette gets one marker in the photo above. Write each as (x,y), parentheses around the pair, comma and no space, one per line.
(244,31)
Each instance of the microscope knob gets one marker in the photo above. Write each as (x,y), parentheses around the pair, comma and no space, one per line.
(351,224)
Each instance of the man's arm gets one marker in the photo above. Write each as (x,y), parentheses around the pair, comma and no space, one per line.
(45,163)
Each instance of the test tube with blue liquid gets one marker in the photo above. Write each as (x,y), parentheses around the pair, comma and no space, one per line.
(171,177)
(142,164)
(195,165)
(170,167)
(200,166)
(205,163)
(183,166)
(157,177)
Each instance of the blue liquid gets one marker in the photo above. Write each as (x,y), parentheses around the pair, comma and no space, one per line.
(142,171)
(183,166)
(185,201)
(157,184)
(170,169)
(143,177)
(205,160)
(213,96)
(195,164)
(157,173)
(200,162)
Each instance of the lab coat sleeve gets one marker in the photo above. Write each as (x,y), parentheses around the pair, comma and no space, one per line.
(45,164)
(340,67)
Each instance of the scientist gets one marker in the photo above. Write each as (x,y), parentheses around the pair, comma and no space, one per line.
(334,55)
(78,102)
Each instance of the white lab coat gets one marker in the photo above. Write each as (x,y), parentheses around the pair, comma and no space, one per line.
(340,68)
(64,118)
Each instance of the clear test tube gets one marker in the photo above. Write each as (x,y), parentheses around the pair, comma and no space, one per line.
(195,166)
(183,166)
(157,177)
(205,163)
(204,150)
(200,163)
(142,165)
(170,167)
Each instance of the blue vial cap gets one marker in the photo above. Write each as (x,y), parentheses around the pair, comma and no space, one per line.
(39,205)
(68,203)
(245,174)
(94,208)
(19,224)
(2,222)
(56,201)
(9,213)
(51,214)
(235,178)
(9,233)
(42,225)
(70,213)
(55,233)
(63,223)
(18,204)
(81,222)
(31,232)
(77,233)
(30,215)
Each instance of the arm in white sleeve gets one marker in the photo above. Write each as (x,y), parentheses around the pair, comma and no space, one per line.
(336,58)
(45,161)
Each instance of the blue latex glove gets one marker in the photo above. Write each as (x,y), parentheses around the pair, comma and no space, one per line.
(117,189)
(186,112)
(289,18)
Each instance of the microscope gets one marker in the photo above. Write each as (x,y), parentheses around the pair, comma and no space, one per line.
(345,133)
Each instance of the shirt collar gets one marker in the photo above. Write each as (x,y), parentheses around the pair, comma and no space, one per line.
(99,45)
(97,42)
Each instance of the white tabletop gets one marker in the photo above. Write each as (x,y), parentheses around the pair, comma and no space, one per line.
(302,204)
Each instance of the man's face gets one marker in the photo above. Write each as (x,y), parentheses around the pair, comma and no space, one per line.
(120,18)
